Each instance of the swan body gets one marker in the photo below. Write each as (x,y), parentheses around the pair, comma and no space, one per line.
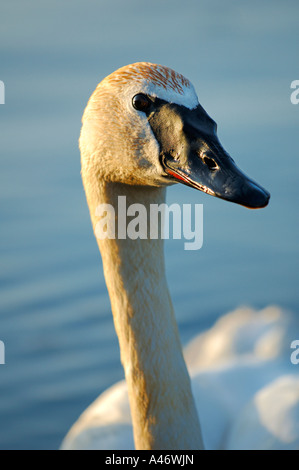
(144,129)
(246,389)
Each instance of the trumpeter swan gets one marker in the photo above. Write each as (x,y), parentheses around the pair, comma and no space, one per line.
(144,129)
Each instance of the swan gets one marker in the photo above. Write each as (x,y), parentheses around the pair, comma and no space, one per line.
(143,129)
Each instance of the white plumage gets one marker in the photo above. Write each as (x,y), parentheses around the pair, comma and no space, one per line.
(244,387)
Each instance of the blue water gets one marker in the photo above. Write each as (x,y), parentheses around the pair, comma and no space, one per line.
(55,320)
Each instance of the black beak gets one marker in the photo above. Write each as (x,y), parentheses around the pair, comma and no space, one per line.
(191,153)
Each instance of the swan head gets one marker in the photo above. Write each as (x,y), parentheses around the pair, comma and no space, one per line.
(143,125)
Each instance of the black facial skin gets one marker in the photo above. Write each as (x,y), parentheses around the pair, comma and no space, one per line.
(191,153)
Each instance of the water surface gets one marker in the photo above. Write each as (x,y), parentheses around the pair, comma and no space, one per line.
(55,320)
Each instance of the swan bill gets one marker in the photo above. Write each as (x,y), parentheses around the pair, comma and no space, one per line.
(191,153)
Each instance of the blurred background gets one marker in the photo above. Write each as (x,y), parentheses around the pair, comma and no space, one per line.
(55,319)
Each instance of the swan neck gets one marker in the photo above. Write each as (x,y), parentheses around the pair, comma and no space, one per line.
(162,406)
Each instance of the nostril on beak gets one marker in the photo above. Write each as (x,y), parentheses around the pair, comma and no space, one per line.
(211,164)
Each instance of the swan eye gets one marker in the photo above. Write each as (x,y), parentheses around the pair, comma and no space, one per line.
(141,102)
